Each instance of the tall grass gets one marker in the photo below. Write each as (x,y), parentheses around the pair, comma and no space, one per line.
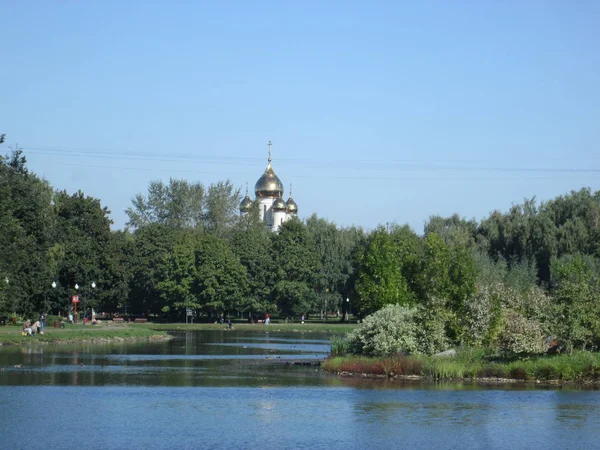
(340,346)
(391,366)
(473,364)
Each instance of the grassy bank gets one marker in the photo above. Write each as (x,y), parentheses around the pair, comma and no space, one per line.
(334,327)
(11,335)
(581,367)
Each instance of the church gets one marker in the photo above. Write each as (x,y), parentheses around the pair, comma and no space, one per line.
(273,210)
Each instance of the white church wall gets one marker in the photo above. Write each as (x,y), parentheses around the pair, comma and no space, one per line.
(266,210)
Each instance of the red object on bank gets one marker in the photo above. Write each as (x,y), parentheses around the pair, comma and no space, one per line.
(75,299)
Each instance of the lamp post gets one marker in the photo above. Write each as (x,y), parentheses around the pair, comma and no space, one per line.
(93,285)
(348,309)
(75,303)
(6,280)
(53,288)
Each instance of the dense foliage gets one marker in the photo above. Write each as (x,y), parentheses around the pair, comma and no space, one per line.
(509,282)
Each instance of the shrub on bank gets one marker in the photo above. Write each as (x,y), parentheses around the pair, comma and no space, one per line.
(389,331)
(521,336)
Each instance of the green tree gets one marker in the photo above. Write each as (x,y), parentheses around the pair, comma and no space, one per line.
(252,245)
(221,208)
(335,249)
(150,260)
(180,204)
(577,303)
(296,267)
(26,227)
(221,281)
(176,288)
(83,230)
(454,230)
(446,282)
(380,281)
(114,280)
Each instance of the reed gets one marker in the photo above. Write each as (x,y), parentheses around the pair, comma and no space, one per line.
(578,367)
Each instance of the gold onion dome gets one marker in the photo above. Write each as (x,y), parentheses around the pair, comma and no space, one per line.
(268,185)
(246,204)
(279,205)
(292,207)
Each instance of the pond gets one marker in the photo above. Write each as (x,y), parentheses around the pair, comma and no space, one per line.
(243,390)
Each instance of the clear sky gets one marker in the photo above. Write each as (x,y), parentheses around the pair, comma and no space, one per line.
(378,111)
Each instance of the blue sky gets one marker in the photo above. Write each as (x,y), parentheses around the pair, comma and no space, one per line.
(378,111)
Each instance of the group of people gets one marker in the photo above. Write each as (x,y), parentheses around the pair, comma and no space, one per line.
(37,326)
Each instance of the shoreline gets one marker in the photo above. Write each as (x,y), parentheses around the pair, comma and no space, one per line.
(478,381)
(10,338)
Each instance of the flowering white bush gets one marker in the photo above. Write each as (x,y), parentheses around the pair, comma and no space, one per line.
(520,335)
(488,313)
(389,331)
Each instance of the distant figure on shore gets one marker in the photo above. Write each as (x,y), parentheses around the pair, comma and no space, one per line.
(27,327)
(303,318)
(267,320)
(70,317)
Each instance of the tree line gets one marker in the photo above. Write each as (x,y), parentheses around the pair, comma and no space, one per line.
(531,271)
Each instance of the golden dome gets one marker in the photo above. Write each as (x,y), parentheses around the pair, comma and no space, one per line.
(246,204)
(268,185)
(292,207)
(279,205)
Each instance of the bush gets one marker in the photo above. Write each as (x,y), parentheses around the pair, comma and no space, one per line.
(521,336)
(391,330)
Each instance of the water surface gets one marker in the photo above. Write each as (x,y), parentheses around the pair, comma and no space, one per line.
(237,390)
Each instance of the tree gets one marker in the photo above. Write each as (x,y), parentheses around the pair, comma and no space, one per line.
(454,230)
(220,281)
(150,260)
(577,303)
(221,209)
(179,204)
(117,271)
(296,266)
(380,281)
(446,282)
(335,249)
(252,245)
(176,288)
(83,231)
(26,227)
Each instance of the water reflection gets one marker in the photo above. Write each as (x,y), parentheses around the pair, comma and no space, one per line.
(191,359)
(216,390)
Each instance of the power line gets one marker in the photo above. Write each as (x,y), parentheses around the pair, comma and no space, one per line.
(398,165)
(337,177)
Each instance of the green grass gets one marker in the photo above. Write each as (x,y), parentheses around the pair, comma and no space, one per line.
(77,333)
(335,327)
(582,367)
